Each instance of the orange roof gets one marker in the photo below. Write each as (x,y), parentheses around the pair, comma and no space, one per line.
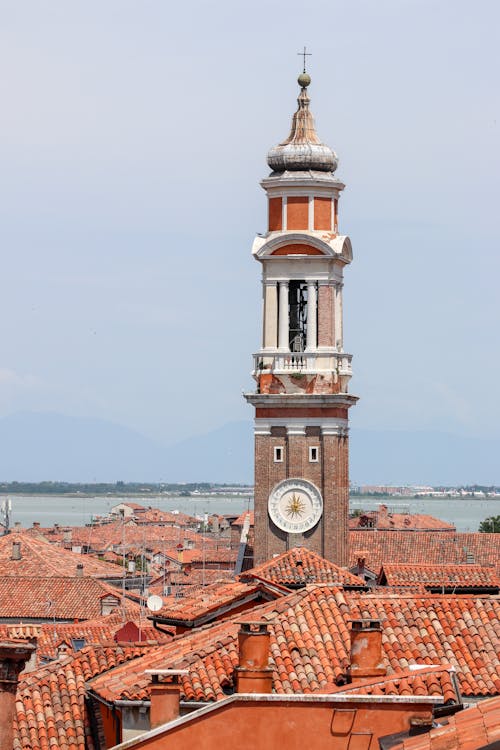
(212,600)
(241,519)
(53,597)
(421,547)
(430,576)
(113,535)
(99,631)
(428,680)
(476,727)
(40,558)
(463,631)
(300,566)
(310,644)
(200,554)
(189,581)
(154,515)
(383,519)
(50,702)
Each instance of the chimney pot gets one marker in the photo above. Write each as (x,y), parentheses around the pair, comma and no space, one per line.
(366,649)
(165,696)
(253,674)
(36,524)
(79,570)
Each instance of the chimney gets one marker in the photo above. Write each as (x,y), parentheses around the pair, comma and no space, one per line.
(62,650)
(253,674)
(13,656)
(79,570)
(36,524)
(67,534)
(361,556)
(165,696)
(17,525)
(16,551)
(366,649)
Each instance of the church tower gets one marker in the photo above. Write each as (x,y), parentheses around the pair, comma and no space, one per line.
(301,371)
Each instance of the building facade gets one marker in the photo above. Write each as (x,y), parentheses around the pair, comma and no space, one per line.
(301,371)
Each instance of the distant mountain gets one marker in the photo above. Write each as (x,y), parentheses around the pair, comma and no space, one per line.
(48,446)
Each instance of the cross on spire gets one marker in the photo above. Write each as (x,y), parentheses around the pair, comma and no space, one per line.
(305,54)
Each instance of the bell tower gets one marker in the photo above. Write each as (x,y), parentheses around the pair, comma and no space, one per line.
(301,371)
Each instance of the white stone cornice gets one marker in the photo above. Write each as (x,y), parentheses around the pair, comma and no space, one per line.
(329,245)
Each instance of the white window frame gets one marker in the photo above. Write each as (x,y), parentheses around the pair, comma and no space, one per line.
(278,451)
(311,449)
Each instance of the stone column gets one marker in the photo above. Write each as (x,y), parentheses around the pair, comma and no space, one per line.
(338,334)
(270,333)
(312,311)
(283,333)
(325,315)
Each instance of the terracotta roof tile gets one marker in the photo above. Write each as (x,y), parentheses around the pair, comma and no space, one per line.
(383,519)
(213,598)
(460,576)
(300,566)
(473,728)
(52,597)
(50,705)
(310,645)
(241,519)
(40,558)
(381,547)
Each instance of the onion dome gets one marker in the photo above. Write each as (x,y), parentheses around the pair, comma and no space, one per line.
(302,150)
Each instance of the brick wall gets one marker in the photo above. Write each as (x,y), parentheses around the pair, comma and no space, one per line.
(329,474)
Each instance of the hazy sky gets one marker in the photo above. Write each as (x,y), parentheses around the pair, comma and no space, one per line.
(133,138)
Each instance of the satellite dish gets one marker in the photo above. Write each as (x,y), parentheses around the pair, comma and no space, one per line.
(154,603)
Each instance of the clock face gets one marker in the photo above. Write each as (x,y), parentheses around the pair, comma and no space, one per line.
(295,505)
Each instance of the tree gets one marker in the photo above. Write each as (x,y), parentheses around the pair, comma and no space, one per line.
(490,525)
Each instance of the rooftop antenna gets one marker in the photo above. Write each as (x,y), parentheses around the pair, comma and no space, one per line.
(6,510)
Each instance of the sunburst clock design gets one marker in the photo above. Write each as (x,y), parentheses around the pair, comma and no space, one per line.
(295,507)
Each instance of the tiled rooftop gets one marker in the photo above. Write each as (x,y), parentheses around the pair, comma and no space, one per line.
(94,632)
(383,519)
(50,598)
(310,644)
(191,579)
(426,681)
(420,547)
(300,566)
(40,558)
(200,555)
(241,519)
(214,599)
(476,727)
(460,576)
(110,535)
(463,631)
(50,707)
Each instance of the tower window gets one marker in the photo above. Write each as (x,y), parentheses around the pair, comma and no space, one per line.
(278,454)
(313,454)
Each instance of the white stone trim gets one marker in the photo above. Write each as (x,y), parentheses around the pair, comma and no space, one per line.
(295,429)
(297,426)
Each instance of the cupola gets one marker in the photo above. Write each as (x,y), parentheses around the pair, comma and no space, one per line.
(303,150)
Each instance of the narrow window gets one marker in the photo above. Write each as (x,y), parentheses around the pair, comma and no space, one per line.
(313,454)
(278,455)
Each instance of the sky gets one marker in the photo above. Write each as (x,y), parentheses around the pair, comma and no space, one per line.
(133,139)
